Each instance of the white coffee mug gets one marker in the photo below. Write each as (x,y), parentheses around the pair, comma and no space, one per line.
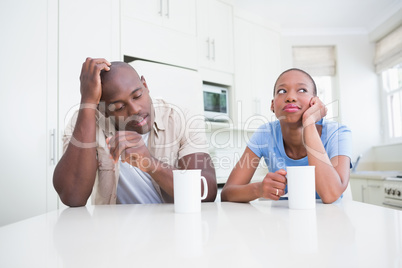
(301,187)
(187,190)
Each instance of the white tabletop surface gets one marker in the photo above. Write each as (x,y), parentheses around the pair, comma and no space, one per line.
(257,234)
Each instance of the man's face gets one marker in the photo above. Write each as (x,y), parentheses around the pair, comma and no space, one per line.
(127,101)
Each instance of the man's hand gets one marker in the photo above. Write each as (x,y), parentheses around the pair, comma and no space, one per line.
(315,113)
(91,88)
(132,149)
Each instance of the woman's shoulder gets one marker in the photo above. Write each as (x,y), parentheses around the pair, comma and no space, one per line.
(332,127)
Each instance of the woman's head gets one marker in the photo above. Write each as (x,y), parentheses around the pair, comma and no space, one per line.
(293,92)
(296,70)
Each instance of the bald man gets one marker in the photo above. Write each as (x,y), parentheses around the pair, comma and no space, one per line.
(121,145)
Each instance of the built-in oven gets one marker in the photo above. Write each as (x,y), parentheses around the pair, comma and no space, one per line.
(393,192)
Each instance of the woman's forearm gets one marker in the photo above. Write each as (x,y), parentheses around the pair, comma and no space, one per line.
(329,185)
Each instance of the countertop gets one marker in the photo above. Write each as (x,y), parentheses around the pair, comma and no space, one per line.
(375,174)
(224,234)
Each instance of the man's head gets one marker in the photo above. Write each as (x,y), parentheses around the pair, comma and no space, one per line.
(126,98)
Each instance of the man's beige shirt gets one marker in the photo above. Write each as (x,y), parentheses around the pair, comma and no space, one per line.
(176,133)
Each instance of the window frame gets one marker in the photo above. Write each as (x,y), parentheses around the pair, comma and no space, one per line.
(385,116)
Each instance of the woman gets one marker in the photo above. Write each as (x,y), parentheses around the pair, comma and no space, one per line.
(299,137)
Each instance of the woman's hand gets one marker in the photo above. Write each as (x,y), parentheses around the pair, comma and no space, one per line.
(315,113)
(91,87)
(273,185)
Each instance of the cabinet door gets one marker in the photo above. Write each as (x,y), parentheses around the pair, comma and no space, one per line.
(171,40)
(178,15)
(244,105)
(80,37)
(150,11)
(359,189)
(375,189)
(215,31)
(28,82)
(257,63)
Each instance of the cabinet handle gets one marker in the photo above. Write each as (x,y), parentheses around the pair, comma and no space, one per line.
(213,49)
(375,186)
(363,189)
(207,48)
(53,147)
(160,8)
(167,9)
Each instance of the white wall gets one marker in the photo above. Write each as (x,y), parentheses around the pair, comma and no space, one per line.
(359,106)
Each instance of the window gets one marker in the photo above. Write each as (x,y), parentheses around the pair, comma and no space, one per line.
(320,63)
(388,63)
(392,99)
(325,93)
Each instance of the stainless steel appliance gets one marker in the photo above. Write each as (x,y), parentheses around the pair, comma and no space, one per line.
(393,191)
(216,102)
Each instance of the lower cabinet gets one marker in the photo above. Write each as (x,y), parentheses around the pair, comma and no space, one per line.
(367,190)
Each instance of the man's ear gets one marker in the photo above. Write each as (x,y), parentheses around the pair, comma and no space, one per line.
(144,82)
(102,108)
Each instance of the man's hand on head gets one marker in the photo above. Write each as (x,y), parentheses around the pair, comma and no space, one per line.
(91,87)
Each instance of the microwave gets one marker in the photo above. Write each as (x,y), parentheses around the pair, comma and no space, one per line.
(216,102)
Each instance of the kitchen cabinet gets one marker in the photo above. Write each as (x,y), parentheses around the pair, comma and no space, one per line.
(215,35)
(80,36)
(367,190)
(178,15)
(257,64)
(28,82)
(160,30)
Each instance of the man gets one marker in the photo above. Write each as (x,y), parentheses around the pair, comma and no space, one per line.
(122,146)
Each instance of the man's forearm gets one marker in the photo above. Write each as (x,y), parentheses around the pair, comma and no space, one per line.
(74,175)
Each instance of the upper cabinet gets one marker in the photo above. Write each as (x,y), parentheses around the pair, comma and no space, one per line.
(215,35)
(257,64)
(160,30)
(178,15)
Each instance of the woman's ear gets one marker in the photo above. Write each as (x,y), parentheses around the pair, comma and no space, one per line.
(272,106)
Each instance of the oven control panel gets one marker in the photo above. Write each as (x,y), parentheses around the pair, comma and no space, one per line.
(393,191)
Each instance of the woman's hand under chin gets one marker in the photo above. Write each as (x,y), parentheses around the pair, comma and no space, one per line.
(315,113)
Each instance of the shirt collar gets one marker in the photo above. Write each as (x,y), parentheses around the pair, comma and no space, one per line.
(105,124)
(158,121)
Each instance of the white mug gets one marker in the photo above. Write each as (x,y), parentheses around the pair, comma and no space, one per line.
(301,187)
(187,190)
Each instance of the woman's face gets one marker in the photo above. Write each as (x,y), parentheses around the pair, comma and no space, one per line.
(293,92)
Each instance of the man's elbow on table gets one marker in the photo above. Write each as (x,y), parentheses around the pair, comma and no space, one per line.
(70,197)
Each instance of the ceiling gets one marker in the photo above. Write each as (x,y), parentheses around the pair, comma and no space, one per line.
(330,15)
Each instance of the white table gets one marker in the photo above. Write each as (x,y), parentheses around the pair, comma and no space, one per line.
(259,234)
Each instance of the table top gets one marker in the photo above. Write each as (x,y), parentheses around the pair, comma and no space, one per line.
(224,234)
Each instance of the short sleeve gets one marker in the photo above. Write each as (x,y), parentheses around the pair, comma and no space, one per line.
(68,131)
(340,142)
(260,140)
(194,137)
